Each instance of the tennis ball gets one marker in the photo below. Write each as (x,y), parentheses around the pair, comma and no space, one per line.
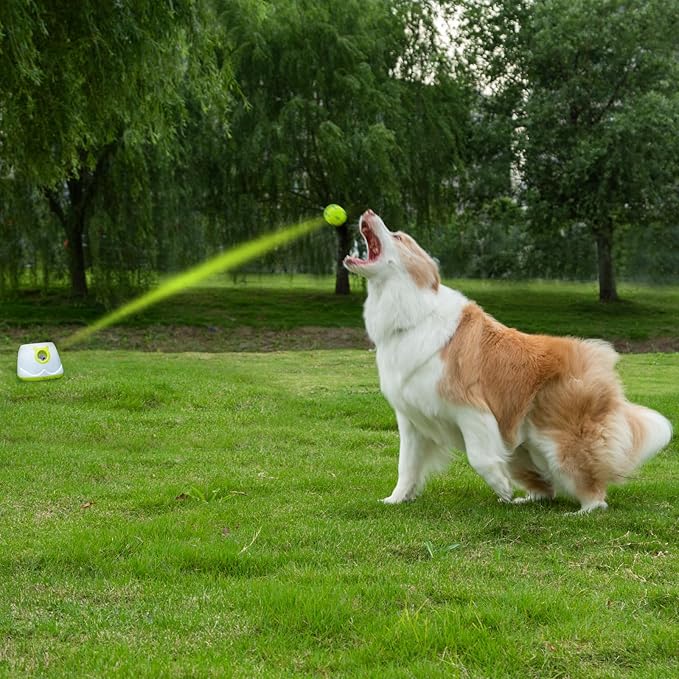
(335,214)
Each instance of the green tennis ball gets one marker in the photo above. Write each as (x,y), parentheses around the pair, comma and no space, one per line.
(335,214)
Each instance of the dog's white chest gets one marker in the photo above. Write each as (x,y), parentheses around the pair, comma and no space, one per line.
(412,389)
(409,361)
(409,380)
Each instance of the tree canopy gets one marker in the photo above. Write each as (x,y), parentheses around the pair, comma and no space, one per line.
(332,111)
(592,87)
(521,138)
(82,82)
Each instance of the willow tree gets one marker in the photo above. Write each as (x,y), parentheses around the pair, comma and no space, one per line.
(591,88)
(342,102)
(79,81)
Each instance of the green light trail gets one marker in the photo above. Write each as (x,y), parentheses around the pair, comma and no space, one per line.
(224,261)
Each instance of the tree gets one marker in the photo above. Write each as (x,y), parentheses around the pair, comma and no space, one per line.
(337,101)
(81,83)
(592,89)
(344,101)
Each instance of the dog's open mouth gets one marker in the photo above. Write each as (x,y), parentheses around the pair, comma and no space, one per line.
(373,246)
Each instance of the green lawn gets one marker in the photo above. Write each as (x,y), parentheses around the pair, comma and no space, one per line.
(283,303)
(197,515)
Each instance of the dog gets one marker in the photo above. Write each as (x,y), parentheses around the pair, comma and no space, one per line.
(541,413)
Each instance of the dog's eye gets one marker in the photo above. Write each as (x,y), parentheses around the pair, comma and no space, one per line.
(397,236)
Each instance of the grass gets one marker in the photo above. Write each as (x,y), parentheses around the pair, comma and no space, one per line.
(209,515)
(285,303)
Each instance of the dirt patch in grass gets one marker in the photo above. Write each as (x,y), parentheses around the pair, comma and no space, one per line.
(661,345)
(179,338)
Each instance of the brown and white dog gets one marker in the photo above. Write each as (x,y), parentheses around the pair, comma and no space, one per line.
(542,413)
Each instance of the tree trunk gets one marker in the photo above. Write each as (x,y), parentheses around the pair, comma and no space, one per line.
(342,286)
(76,256)
(71,204)
(71,214)
(604,244)
(76,265)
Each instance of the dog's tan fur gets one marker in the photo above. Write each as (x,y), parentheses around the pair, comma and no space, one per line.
(565,387)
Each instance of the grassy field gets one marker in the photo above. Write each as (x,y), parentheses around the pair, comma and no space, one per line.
(209,515)
(281,303)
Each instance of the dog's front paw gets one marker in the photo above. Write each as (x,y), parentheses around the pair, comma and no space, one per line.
(398,498)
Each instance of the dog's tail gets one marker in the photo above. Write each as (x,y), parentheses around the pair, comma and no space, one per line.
(651,432)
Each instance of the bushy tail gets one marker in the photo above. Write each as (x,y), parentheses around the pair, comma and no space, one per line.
(651,432)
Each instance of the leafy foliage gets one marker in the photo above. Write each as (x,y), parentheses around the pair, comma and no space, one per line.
(525,139)
(87,85)
(79,76)
(592,88)
(335,108)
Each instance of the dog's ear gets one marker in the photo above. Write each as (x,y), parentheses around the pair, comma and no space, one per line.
(420,266)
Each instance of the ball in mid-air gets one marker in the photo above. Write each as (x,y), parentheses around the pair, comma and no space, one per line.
(335,214)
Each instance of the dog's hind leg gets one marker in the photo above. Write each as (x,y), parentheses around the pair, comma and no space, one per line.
(418,456)
(526,474)
(486,450)
(589,486)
